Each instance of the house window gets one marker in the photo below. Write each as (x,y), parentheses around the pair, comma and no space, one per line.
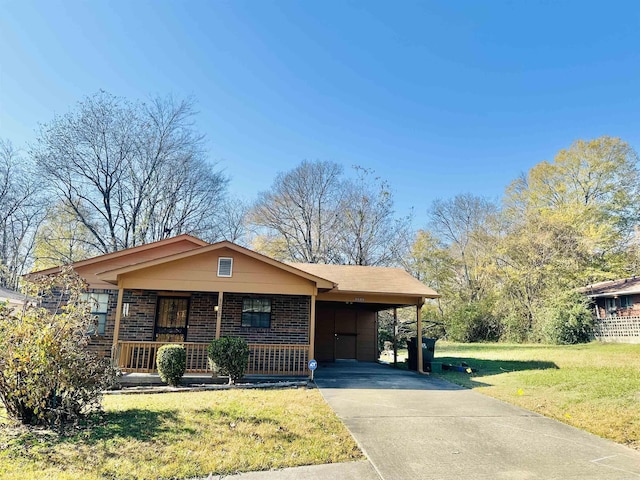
(626,301)
(225,267)
(256,312)
(99,305)
(610,304)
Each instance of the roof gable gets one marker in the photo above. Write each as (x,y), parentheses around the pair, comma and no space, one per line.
(112,276)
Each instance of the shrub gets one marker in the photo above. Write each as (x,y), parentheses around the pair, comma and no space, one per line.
(230,355)
(171,361)
(473,322)
(47,374)
(567,320)
(516,327)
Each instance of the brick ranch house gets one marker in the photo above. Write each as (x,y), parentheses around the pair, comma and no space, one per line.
(616,308)
(184,290)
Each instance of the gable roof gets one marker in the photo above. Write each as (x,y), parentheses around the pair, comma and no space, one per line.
(111,276)
(365,279)
(612,288)
(104,271)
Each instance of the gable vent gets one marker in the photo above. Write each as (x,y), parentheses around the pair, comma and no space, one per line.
(225,267)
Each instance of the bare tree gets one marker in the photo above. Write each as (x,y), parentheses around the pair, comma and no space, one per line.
(466,223)
(231,221)
(369,232)
(131,172)
(22,207)
(301,212)
(313,214)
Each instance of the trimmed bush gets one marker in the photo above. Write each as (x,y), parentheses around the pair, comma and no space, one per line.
(172,363)
(230,355)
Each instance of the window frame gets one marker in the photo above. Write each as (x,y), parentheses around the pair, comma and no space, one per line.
(626,301)
(230,259)
(258,314)
(93,298)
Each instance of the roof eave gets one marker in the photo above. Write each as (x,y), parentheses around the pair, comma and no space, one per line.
(398,294)
(120,253)
(613,294)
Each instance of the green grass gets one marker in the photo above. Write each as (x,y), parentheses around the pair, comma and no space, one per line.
(595,387)
(181,435)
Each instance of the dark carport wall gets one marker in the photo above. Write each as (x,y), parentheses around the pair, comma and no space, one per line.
(346,316)
(349,331)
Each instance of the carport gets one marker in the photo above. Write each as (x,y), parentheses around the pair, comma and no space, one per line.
(345,326)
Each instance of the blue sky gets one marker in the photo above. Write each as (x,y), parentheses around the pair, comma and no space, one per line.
(438,98)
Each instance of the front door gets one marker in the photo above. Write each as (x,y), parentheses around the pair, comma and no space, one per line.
(171,319)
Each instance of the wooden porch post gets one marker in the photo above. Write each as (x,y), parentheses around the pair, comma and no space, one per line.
(419,342)
(395,337)
(116,327)
(312,327)
(219,315)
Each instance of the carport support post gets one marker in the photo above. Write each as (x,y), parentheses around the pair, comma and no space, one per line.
(395,337)
(419,342)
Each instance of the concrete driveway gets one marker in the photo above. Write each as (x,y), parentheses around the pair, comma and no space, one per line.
(420,427)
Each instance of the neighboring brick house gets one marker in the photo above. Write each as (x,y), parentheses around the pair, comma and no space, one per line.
(184,290)
(616,307)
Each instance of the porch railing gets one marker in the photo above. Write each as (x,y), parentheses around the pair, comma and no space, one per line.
(277,359)
(265,359)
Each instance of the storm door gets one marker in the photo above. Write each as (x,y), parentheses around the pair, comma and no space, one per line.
(171,319)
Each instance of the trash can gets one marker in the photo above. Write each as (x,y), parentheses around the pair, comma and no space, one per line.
(428,350)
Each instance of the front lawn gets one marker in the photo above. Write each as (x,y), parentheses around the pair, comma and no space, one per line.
(595,387)
(182,435)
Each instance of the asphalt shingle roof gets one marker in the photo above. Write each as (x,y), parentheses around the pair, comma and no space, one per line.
(356,278)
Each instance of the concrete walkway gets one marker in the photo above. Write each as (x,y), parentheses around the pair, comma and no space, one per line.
(420,427)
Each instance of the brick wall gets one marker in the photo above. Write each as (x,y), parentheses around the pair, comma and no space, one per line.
(289,319)
(139,324)
(202,317)
(634,311)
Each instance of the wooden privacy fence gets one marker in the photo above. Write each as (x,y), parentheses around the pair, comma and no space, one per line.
(264,359)
(618,329)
